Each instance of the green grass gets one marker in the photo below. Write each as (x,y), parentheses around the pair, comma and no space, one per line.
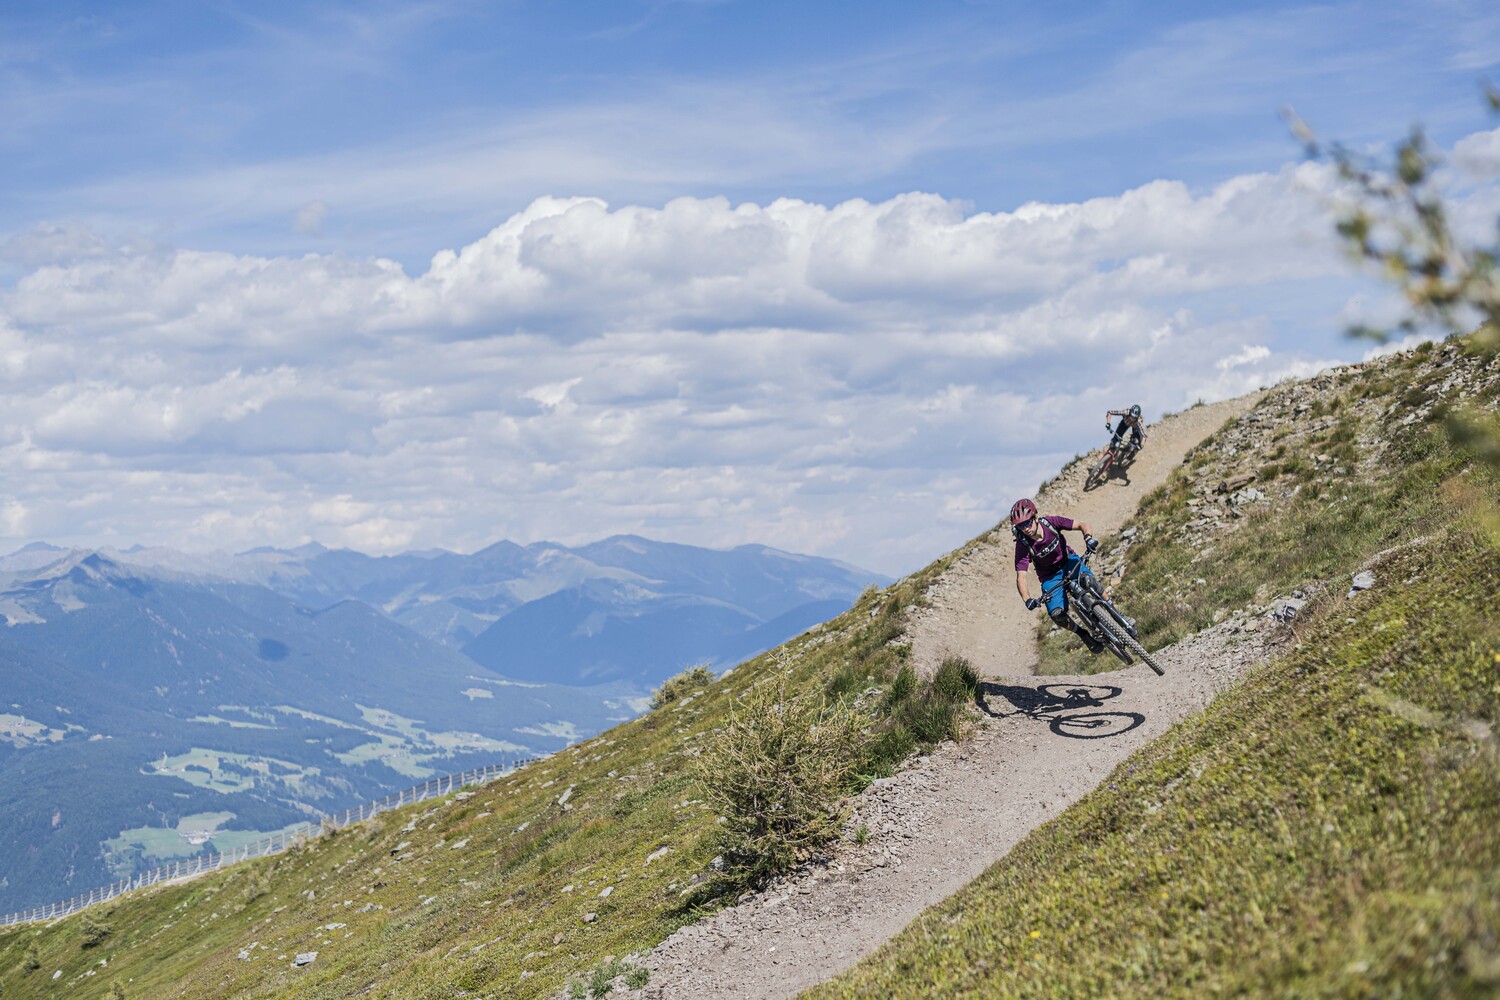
(1326,829)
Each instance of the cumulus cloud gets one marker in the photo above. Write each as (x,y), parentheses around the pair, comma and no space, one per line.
(864,380)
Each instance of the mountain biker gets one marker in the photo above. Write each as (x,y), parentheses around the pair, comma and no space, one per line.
(1130,420)
(1039,543)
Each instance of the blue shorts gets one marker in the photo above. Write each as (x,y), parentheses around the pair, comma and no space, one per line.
(1057,594)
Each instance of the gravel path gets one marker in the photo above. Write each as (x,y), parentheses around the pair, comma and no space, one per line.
(1043,743)
(974,610)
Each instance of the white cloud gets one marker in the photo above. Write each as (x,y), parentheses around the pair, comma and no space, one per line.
(863,380)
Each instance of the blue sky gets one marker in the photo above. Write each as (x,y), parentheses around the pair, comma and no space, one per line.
(204,347)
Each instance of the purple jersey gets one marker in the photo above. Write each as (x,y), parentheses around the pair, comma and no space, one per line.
(1049,551)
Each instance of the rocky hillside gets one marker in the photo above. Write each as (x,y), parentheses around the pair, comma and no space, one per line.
(1327,827)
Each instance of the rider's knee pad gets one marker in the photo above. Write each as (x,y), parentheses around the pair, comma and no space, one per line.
(1060,618)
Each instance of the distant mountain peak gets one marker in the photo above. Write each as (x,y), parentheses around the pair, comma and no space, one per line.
(39,547)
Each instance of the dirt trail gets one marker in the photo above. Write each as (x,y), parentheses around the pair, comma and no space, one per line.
(975,611)
(1044,742)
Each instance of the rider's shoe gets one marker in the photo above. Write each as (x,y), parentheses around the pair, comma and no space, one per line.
(1094,645)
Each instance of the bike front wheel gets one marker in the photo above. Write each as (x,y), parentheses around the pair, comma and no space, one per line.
(1097,473)
(1128,642)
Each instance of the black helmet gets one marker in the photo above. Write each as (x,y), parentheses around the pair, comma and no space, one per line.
(1135,410)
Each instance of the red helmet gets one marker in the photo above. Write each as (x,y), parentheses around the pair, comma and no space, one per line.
(1024,510)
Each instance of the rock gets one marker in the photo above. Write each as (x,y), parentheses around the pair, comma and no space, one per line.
(1235,482)
(660,852)
(305,958)
(604,893)
(1286,608)
(589,918)
(1363,580)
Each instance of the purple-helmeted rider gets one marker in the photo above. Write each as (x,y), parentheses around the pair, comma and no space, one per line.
(1040,545)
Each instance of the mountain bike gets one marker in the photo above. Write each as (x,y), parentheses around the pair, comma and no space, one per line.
(1119,454)
(1086,601)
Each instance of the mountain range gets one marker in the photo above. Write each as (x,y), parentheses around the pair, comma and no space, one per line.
(158,703)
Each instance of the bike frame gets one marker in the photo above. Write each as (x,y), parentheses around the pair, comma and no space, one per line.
(1119,637)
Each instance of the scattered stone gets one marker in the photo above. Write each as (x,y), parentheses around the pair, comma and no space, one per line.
(589,918)
(604,893)
(1287,608)
(1363,580)
(660,852)
(1236,482)
(305,958)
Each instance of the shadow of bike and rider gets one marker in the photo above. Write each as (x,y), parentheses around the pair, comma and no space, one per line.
(1058,705)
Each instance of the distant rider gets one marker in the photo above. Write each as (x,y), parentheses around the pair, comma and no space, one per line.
(1039,541)
(1130,420)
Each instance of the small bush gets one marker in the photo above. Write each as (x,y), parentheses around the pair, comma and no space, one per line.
(94,932)
(638,977)
(891,744)
(675,687)
(930,717)
(602,981)
(32,959)
(116,991)
(956,680)
(777,772)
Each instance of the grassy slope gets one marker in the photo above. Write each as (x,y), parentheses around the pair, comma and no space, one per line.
(1329,828)
(477,896)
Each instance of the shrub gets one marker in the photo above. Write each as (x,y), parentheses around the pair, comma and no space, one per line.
(94,932)
(602,982)
(637,977)
(930,717)
(776,772)
(956,680)
(675,687)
